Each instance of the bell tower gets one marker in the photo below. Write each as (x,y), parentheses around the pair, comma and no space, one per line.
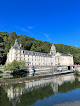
(53,50)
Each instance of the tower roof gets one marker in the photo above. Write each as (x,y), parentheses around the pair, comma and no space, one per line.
(52,47)
(16,46)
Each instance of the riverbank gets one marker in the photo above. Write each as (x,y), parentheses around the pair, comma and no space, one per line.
(25,79)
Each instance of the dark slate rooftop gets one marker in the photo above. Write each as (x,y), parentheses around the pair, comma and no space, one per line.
(36,53)
(16,46)
(66,55)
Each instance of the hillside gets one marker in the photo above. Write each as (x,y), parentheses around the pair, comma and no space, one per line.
(29,43)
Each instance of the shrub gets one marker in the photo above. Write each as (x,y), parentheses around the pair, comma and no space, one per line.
(15,66)
(76,72)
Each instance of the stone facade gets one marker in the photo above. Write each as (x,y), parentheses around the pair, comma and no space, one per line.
(64,59)
(37,58)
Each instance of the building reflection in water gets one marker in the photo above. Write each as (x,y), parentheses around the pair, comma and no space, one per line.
(14,92)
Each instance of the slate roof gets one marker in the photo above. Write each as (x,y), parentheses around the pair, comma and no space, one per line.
(66,55)
(16,46)
(36,53)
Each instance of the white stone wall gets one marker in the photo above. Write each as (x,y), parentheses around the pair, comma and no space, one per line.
(38,59)
(35,60)
(64,60)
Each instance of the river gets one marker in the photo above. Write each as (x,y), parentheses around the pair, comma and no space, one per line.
(63,90)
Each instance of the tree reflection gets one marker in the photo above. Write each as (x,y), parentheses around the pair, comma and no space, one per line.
(29,92)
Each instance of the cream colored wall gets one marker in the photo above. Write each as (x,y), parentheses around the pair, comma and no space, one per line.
(38,60)
(67,60)
(15,55)
(32,60)
(64,60)
(11,55)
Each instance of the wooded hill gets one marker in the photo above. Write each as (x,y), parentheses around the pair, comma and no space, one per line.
(29,43)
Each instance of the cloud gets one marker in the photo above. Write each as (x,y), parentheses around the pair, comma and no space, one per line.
(46,35)
(30,27)
(24,30)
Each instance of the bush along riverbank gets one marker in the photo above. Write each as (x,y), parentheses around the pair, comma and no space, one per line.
(16,68)
(76,72)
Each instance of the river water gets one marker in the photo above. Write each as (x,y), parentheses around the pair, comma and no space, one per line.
(63,90)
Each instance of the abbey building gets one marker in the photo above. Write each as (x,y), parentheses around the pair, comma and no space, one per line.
(39,59)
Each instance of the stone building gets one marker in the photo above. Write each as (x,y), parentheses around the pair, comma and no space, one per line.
(38,59)
(64,59)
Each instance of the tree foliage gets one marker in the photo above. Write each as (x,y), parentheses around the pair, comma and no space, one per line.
(1,48)
(29,43)
(15,66)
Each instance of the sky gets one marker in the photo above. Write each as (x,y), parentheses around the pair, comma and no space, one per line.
(54,21)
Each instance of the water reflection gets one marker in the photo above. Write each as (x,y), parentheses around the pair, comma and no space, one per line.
(30,92)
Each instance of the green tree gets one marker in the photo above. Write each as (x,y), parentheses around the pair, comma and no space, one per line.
(1,49)
(29,43)
(15,66)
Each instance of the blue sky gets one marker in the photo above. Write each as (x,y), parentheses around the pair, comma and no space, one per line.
(55,21)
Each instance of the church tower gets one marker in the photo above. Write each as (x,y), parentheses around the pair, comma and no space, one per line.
(53,50)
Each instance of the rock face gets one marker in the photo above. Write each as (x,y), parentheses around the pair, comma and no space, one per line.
(39,59)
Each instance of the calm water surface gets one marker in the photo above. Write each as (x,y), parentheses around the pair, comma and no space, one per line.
(61,90)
